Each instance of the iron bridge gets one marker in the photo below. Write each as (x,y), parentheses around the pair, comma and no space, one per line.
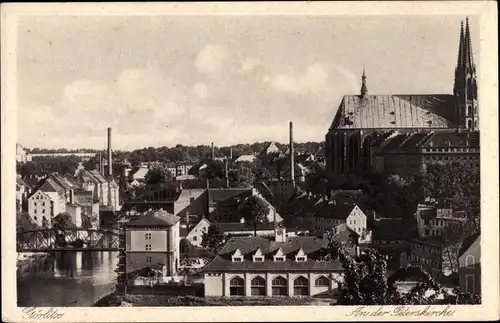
(75,239)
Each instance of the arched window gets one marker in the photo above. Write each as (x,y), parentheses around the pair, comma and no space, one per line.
(279,286)
(469,261)
(469,110)
(237,286)
(301,286)
(322,281)
(258,286)
(469,124)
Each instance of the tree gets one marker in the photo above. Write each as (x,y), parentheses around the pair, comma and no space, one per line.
(254,211)
(365,280)
(213,239)
(453,237)
(464,179)
(242,175)
(185,247)
(24,222)
(62,221)
(158,175)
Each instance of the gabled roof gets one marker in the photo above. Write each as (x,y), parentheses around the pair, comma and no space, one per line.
(158,218)
(51,186)
(468,242)
(221,194)
(395,111)
(245,158)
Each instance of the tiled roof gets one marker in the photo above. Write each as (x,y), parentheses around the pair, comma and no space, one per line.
(157,218)
(249,245)
(329,209)
(245,158)
(51,186)
(395,111)
(388,229)
(415,140)
(467,243)
(20,182)
(221,194)
(98,176)
(445,139)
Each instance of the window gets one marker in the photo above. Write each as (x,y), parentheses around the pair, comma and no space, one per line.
(469,261)
(35,204)
(258,259)
(279,258)
(300,259)
(43,203)
(195,238)
(237,259)
(148,259)
(148,236)
(237,286)
(34,218)
(469,124)
(35,211)
(469,284)
(43,210)
(301,286)
(258,286)
(322,282)
(279,286)
(148,247)
(469,110)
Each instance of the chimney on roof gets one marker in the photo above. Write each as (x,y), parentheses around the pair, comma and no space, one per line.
(110,158)
(292,152)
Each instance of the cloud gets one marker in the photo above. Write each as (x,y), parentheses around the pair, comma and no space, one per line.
(200,90)
(313,79)
(249,64)
(211,58)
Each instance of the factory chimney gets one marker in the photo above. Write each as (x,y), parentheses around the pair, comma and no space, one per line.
(226,162)
(292,153)
(100,162)
(231,153)
(212,154)
(110,158)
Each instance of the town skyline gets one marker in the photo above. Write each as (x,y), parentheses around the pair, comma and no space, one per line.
(197,91)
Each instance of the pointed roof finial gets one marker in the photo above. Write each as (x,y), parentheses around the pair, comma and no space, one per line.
(364,90)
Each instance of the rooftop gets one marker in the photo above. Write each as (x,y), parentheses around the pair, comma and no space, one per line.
(158,218)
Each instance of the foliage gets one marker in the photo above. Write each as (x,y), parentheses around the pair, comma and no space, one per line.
(41,166)
(24,222)
(62,221)
(464,179)
(185,247)
(254,211)
(158,175)
(213,239)
(242,175)
(88,221)
(365,281)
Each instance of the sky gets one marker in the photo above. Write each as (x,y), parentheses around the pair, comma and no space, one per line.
(193,80)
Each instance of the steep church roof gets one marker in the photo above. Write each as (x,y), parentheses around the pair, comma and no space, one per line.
(395,112)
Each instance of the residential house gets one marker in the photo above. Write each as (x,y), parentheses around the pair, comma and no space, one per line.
(469,272)
(195,234)
(46,202)
(152,239)
(432,221)
(140,174)
(22,192)
(279,266)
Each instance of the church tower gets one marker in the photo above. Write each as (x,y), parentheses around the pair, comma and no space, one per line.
(465,85)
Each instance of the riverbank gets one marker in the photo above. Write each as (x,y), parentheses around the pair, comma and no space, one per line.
(25,259)
(113,300)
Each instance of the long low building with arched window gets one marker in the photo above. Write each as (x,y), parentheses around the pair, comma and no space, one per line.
(273,266)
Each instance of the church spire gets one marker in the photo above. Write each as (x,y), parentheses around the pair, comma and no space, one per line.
(465,84)
(364,89)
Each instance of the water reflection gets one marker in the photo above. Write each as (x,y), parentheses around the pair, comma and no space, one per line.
(67,279)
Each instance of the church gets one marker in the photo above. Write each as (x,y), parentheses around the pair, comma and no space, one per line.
(364,119)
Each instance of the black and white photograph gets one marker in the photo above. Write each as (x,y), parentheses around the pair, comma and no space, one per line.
(235,160)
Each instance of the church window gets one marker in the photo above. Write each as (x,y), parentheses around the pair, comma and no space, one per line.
(469,124)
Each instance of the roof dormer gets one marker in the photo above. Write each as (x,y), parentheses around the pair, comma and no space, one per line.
(237,256)
(279,256)
(300,256)
(258,256)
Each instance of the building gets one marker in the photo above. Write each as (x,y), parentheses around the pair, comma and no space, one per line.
(106,191)
(46,202)
(412,153)
(362,119)
(153,239)
(279,266)
(21,156)
(195,234)
(328,214)
(433,254)
(432,221)
(245,159)
(469,272)
(22,192)
(140,174)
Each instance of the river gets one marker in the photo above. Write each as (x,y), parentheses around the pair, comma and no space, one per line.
(67,279)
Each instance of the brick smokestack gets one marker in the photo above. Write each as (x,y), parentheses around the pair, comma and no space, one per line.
(110,158)
(226,162)
(231,153)
(212,154)
(292,153)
